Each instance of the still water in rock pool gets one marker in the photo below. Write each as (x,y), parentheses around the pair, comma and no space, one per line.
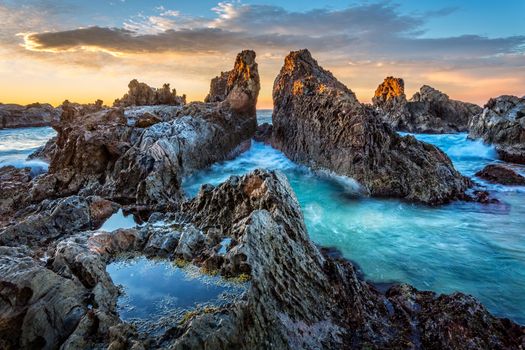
(154,289)
(469,247)
(17,144)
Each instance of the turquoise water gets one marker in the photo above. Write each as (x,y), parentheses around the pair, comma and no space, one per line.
(469,247)
(17,144)
(153,289)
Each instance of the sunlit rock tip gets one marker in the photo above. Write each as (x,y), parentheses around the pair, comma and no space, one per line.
(319,122)
(140,94)
(428,111)
(240,86)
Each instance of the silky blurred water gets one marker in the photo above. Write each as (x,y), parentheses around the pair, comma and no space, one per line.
(473,248)
(469,247)
(17,144)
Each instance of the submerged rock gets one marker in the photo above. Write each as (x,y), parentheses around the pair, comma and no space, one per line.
(140,94)
(33,115)
(428,111)
(502,123)
(501,174)
(319,122)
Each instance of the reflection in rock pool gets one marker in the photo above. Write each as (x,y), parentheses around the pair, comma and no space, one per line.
(118,220)
(157,289)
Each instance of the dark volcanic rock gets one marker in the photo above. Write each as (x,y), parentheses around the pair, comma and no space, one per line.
(33,115)
(318,121)
(502,123)
(140,94)
(428,111)
(501,174)
(138,155)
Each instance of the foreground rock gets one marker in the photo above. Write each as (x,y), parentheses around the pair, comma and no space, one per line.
(140,94)
(501,174)
(318,121)
(428,111)
(296,298)
(502,123)
(138,155)
(33,115)
(14,185)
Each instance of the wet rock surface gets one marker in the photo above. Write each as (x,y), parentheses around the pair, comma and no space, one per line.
(501,174)
(33,115)
(297,296)
(502,123)
(428,111)
(318,121)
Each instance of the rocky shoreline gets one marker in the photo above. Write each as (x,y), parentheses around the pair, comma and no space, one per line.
(33,115)
(55,291)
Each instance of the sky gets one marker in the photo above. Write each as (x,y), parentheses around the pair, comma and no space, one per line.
(87,50)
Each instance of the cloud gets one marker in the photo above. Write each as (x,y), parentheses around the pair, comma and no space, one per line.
(372,31)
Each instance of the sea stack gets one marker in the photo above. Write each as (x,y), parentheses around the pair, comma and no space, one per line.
(428,111)
(318,121)
(502,123)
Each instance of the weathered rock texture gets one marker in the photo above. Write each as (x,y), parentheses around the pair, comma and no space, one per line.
(499,173)
(140,94)
(297,297)
(318,121)
(138,155)
(33,115)
(428,111)
(502,123)
(14,184)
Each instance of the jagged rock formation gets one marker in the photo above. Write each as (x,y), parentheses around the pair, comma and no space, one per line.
(238,86)
(141,94)
(297,296)
(138,155)
(501,174)
(502,123)
(33,115)
(318,121)
(218,88)
(428,111)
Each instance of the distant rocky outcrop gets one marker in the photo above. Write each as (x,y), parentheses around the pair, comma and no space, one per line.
(33,115)
(428,111)
(138,154)
(319,122)
(141,94)
(502,123)
(501,174)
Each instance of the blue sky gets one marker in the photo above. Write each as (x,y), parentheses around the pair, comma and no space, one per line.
(470,49)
